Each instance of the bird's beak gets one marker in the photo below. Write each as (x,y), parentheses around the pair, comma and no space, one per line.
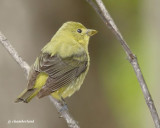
(91,32)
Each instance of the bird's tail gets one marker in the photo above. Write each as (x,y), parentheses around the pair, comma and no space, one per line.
(26,95)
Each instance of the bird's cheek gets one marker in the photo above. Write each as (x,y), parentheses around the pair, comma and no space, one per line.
(80,41)
(86,38)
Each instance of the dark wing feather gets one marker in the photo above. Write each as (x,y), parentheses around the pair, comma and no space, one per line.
(61,71)
(32,77)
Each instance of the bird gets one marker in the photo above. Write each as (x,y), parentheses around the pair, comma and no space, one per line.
(62,65)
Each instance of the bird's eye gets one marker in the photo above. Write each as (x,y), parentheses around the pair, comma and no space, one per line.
(79,30)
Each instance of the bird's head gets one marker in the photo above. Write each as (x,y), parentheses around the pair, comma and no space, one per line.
(78,32)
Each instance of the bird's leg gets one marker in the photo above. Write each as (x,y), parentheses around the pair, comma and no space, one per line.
(63,101)
(64,105)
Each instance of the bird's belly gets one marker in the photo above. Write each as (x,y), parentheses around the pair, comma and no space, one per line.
(69,90)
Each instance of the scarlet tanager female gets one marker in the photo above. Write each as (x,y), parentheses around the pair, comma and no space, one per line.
(62,64)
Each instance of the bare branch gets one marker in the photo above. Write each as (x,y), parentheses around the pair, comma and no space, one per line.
(63,112)
(107,19)
(14,54)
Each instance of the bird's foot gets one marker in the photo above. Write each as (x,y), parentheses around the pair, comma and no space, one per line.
(64,106)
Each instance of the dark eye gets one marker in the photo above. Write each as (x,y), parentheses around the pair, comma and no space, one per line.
(79,30)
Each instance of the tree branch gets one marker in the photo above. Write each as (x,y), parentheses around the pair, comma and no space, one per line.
(63,112)
(14,54)
(107,19)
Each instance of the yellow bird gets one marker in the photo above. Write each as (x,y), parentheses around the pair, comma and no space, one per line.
(62,64)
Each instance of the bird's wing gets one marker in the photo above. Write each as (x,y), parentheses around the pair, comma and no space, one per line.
(61,71)
(32,77)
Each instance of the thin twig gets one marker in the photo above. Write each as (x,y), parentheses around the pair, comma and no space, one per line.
(14,54)
(63,112)
(101,10)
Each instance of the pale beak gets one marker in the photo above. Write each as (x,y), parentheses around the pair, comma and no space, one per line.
(91,32)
